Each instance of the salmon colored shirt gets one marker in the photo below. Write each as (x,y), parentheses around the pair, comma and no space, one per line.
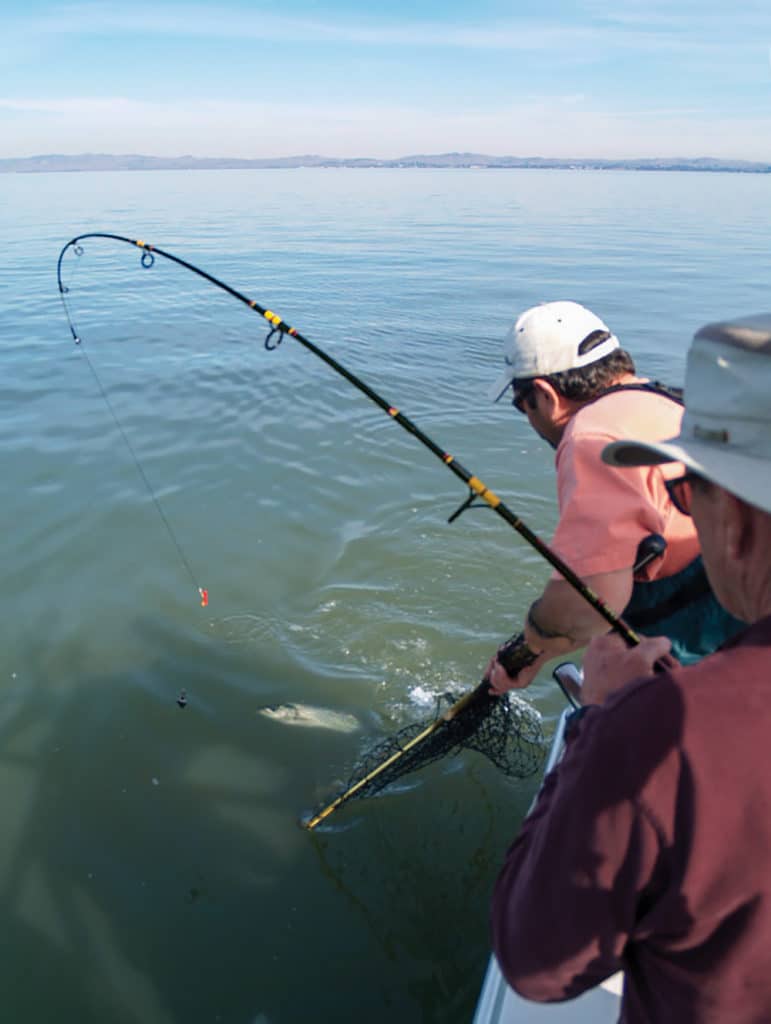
(606,511)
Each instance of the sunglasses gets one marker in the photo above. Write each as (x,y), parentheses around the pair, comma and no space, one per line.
(521,394)
(680,491)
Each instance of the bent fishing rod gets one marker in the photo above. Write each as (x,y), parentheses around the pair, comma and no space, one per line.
(515,654)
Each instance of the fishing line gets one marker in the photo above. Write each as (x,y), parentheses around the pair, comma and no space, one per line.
(63,290)
(279,328)
(507,732)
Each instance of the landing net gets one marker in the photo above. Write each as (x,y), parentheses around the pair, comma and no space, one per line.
(507,730)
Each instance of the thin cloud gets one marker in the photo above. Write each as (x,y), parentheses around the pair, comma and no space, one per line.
(580,41)
(634,79)
(693,16)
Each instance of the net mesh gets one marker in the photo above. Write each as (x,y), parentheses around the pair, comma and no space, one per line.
(507,730)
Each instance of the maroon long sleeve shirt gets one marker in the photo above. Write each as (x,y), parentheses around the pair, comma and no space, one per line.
(649,850)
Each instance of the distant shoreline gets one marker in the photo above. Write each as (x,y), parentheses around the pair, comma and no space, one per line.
(468,161)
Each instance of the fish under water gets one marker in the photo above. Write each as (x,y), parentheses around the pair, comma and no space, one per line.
(310,717)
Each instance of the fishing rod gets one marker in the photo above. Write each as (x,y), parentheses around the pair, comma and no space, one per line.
(457,725)
(279,328)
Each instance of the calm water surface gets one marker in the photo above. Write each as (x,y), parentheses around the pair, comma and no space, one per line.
(151,866)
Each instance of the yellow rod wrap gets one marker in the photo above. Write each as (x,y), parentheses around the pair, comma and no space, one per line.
(479,488)
(449,458)
(392,411)
(140,244)
(272,317)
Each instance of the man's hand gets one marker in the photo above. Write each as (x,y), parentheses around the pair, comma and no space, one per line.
(610,664)
(501,682)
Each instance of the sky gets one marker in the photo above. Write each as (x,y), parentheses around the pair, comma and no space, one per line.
(588,78)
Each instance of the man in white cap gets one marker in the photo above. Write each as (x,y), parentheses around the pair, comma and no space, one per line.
(578,389)
(649,849)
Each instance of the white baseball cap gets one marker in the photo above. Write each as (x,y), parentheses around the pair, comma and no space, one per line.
(550,338)
(725,435)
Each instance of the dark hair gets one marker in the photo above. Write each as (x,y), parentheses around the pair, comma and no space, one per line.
(586,382)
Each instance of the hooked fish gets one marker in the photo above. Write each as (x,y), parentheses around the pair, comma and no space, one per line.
(307,716)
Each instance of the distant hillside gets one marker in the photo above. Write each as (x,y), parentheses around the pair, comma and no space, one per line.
(108,162)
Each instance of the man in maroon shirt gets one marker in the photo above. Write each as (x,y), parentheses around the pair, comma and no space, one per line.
(649,849)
